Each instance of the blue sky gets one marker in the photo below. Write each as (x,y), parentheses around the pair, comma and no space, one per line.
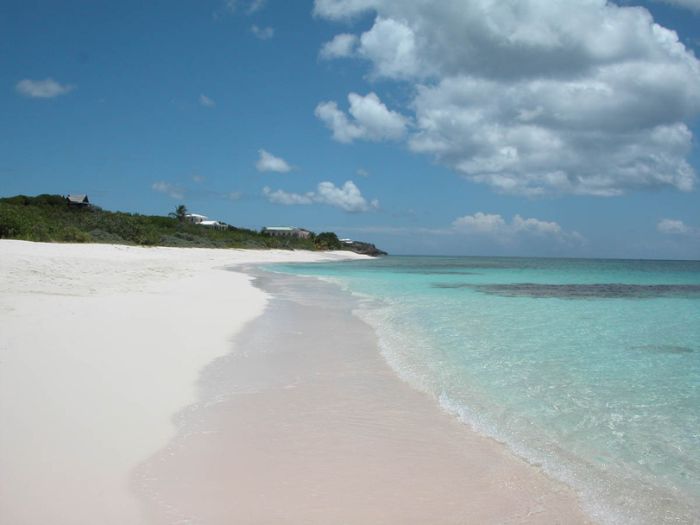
(534,128)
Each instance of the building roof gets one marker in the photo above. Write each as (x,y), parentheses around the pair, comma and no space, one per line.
(78,198)
(196,216)
(280,228)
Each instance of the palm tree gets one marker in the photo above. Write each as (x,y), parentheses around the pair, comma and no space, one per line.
(180,213)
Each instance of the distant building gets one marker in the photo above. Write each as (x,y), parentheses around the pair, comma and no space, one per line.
(195,218)
(78,201)
(203,220)
(217,225)
(286,231)
(346,241)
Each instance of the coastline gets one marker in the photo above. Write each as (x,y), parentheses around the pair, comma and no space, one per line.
(305,422)
(100,345)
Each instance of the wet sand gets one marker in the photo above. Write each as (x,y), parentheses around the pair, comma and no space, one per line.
(304,422)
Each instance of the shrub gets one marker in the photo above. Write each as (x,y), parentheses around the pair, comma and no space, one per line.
(73,234)
(10,223)
(327,241)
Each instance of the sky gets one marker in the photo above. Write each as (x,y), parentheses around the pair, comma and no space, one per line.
(461,127)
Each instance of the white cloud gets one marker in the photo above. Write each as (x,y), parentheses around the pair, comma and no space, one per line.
(283,197)
(47,88)
(268,162)
(346,197)
(342,46)
(480,223)
(674,227)
(206,101)
(535,226)
(343,130)
(391,46)
(262,33)
(361,172)
(496,227)
(368,119)
(533,97)
(543,136)
(173,191)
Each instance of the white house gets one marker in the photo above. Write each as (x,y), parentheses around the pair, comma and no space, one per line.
(203,220)
(286,231)
(195,218)
(213,224)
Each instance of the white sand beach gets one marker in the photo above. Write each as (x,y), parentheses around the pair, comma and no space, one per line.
(100,345)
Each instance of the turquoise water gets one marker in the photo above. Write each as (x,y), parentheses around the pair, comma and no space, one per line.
(589,369)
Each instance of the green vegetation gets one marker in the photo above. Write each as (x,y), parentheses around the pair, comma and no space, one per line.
(49,218)
(327,241)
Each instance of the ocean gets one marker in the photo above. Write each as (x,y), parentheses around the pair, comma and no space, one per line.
(588,369)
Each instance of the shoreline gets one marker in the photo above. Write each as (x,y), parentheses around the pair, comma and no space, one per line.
(287,429)
(100,345)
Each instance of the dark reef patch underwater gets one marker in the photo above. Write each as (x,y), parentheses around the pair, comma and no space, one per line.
(664,349)
(582,291)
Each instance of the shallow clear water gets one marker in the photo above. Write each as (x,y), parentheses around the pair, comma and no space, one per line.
(587,368)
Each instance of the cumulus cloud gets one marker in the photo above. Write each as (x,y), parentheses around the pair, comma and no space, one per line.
(268,162)
(495,226)
(368,119)
(391,46)
(206,101)
(174,191)
(346,197)
(480,223)
(675,227)
(532,97)
(47,88)
(342,46)
(262,33)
